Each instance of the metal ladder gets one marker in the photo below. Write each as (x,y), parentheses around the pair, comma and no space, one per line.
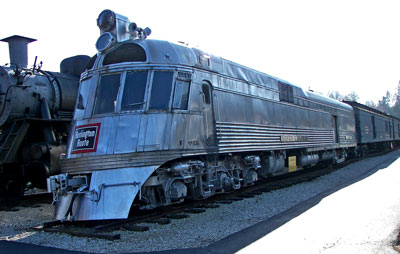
(10,143)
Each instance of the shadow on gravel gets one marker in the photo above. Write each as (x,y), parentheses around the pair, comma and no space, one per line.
(247,236)
(8,247)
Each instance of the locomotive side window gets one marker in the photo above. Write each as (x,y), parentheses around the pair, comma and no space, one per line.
(207,96)
(107,91)
(285,92)
(134,91)
(181,95)
(82,100)
(161,90)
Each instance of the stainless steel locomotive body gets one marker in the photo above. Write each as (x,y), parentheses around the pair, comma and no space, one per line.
(157,123)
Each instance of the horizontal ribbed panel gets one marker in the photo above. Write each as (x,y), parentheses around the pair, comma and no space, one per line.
(247,137)
(102,162)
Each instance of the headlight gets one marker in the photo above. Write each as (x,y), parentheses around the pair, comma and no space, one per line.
(105,41)
(106,20)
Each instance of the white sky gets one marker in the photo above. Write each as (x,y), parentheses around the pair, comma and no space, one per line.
(338,45)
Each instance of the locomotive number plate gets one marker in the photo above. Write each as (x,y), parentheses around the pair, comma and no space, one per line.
(294,138)
(86,138)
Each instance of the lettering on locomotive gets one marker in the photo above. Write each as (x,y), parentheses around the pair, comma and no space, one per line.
(193,143)
(86,138)
(294,138)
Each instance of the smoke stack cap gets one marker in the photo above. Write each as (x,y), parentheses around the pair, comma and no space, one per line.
(18,49)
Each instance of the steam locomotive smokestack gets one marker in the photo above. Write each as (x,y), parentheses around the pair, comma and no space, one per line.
(18,47)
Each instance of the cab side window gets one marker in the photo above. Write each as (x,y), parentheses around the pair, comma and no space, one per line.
(181,95)
(161,90)
(107,92)
(133,97)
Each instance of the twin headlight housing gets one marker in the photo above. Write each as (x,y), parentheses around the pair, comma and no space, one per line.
(117,28)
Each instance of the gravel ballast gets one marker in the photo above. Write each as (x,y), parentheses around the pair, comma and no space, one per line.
(199,230)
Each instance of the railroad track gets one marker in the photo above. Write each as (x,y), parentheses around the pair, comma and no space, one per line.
(104,229)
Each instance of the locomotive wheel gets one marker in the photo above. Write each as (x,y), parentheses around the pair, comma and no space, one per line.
(12,189)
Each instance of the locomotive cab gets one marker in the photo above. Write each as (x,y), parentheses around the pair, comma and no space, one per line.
(143,104)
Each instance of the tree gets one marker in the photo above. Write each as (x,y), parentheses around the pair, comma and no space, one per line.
(371,104)
(384,104)
(353,96)
(396,101)
(335,95)
(389,103)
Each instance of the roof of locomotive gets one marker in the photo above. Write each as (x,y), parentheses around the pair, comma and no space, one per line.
(326,100)
(164,52)
(170,53)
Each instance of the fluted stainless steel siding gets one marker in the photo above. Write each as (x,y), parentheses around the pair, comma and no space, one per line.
(248,137)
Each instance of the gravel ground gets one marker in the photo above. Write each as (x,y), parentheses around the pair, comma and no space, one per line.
(198,230)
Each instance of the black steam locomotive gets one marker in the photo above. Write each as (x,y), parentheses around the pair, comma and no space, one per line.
(36,108)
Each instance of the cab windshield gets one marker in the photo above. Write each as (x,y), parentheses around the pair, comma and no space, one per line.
(131,91)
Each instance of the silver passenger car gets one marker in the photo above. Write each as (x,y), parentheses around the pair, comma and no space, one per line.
(157,123)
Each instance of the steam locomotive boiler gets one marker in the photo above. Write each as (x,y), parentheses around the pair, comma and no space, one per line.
(157,123)
(36,108)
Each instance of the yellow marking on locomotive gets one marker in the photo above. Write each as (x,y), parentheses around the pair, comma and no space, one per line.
(292,163)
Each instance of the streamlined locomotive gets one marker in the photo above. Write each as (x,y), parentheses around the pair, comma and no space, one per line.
(157,123)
